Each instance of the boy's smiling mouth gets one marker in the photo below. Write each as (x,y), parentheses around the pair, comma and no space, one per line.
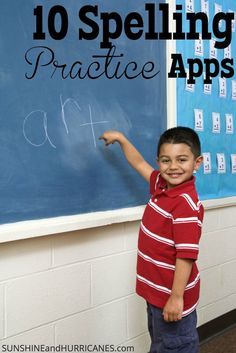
(174,175)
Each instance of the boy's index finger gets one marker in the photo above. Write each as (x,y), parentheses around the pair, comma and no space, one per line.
(105,140)
(110,137)
(102,137)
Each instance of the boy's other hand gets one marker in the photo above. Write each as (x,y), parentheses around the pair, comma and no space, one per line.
(111,137)
(173,309)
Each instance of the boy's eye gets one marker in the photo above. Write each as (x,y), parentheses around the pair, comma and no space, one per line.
(181,160)
(165,160)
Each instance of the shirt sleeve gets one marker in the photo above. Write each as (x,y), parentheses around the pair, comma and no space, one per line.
(154,181)
(187,227)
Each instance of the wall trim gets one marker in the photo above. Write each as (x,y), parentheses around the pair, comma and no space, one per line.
(219,203)
(217,326)
(56,225)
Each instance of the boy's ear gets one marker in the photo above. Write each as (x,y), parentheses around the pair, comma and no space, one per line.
(198,162)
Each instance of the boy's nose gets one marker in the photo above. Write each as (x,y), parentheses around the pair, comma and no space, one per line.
(173,165)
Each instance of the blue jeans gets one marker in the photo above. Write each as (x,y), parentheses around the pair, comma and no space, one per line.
(172,337)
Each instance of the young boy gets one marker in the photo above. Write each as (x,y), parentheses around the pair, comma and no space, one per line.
(167,274)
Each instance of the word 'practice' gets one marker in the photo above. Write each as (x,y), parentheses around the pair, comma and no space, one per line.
(109,65)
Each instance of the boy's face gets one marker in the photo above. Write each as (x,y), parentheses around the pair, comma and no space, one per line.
(177,163)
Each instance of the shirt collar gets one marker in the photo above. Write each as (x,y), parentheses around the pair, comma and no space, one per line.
(185,187)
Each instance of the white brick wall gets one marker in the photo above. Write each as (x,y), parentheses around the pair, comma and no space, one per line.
(24,257)
(38,336)
(105,324)
(217,263)
(2,311)
(44,297)
(79,287)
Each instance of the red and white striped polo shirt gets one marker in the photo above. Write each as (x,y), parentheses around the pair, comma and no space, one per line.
(170,228)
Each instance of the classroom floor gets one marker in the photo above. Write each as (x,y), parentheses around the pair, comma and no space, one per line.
(223,343)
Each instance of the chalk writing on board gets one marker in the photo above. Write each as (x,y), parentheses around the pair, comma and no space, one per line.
(63,104)
(32,116)
(36,114)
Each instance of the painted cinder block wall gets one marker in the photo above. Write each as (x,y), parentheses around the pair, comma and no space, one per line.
(79,287)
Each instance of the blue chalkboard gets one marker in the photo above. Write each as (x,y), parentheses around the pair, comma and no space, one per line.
(52,163)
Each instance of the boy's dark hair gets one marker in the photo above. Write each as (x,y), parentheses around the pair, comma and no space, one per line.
(181,134)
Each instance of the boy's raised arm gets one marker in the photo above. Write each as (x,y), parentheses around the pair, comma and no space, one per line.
(132,155)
